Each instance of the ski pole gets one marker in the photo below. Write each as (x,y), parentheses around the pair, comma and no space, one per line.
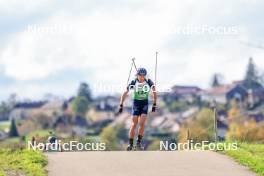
(129,73)
(133,60)
(156,69)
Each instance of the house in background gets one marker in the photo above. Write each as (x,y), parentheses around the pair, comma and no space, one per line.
(224,93)
(4,116)
(23,110)
(106,103)
(256,116)
(255,96)
(27,110)
(186,93)
(54,107)
(165,123)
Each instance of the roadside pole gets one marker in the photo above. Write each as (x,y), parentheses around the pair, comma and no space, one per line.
(215,121)
(188,138)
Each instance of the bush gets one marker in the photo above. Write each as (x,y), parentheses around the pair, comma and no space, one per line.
(249,131)
(80,105)
(200,129)
(155,145)
(177,106)
(109,137)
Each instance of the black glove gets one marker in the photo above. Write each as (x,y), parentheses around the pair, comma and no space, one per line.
(154,107)
(120,109)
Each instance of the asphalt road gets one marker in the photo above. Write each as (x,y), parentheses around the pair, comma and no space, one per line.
(143,163)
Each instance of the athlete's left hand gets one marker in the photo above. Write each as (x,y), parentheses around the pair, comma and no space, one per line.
(120,109)
(154,107)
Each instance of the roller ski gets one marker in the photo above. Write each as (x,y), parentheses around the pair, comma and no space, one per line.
(139,147)
(130,147)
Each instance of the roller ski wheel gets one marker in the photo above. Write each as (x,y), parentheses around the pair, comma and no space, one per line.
(130,148)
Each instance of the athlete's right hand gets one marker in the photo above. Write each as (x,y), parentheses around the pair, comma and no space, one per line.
(120,109)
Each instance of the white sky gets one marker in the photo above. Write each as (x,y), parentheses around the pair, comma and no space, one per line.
(94,41)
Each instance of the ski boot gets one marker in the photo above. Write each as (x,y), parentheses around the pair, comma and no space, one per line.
(139,146)
(129,147)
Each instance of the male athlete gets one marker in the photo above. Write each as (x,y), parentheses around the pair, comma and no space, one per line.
(141,86)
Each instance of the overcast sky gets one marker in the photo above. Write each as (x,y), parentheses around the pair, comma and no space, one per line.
(51,46)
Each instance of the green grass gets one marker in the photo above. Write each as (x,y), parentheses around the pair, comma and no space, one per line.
(12,143)
(4,125)
(250,155)
(39,134)
(22,162)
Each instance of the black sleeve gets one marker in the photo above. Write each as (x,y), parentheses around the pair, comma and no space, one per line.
(150,83)
(131,85)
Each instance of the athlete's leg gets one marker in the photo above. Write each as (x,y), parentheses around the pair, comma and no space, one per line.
(133,126)
(142,120)
(134,122)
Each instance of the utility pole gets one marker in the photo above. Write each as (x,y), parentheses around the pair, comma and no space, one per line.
(213,105)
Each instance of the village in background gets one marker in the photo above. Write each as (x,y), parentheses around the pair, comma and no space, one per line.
(183,113)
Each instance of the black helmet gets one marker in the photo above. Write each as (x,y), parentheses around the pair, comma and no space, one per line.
(142,71)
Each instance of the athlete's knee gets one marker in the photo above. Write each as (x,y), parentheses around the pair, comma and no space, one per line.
(134,123)
(142,122)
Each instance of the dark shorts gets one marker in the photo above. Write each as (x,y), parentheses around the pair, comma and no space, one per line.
(140,107)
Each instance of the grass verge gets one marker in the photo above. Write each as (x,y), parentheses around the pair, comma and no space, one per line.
(22,162)
(250,155)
